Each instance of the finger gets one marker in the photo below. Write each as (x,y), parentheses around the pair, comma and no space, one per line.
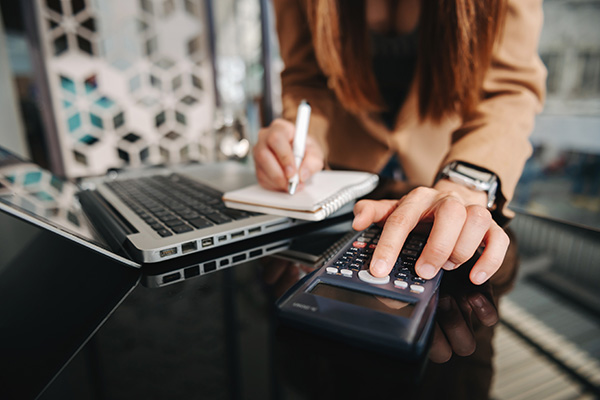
(496,243)
(440,350)
(367,212)
(455,327)
(269,173)
(449,219)
(397,226)
(483,309)
(310,165)
(279,141)
(477,223)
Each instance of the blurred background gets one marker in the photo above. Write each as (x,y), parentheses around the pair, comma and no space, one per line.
(87,86)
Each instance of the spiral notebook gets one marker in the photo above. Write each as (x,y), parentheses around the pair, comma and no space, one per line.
(325,193)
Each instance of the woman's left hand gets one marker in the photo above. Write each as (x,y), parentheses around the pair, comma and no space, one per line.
(461,223)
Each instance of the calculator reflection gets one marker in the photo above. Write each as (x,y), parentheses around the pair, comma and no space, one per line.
(367,300)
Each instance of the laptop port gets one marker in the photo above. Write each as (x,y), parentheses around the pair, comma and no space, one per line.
(222,238)
(171,277)
(191,271)
(254,230)
(189,246)
(238,258)
(277,247)
(276,224)
(236,235)
(210,266)
(206,242)
(224,262)
(168,252)
(256,253)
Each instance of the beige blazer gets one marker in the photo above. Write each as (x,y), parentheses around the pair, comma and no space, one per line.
(495,138)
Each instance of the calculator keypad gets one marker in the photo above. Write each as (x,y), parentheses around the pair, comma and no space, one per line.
(356,260)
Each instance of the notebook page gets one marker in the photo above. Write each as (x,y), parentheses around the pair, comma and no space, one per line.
(322,187)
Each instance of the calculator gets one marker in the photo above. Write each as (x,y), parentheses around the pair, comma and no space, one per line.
(343,300)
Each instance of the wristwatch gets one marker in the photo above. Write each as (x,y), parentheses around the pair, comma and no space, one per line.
(473,177)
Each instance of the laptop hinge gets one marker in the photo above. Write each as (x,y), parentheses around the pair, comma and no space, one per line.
(105,218)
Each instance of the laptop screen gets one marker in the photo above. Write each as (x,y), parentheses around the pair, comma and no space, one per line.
(44,196)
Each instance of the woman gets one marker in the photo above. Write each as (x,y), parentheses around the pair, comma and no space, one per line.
(418,84)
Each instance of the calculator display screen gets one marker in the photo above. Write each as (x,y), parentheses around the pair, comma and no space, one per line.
(362,299)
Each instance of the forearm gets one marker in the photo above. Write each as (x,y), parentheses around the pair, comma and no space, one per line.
(496,136)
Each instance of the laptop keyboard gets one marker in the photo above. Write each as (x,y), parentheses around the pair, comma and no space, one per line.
(175,204)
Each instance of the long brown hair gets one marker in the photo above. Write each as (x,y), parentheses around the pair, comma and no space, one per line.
(456,38)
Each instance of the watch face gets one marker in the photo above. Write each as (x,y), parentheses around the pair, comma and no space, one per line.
(474,173)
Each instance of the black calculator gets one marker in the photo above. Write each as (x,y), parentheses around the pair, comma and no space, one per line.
(342,299)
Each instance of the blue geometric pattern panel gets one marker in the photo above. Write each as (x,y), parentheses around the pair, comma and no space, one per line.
(131,82)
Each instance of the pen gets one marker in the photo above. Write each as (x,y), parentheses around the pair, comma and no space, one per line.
(299,146)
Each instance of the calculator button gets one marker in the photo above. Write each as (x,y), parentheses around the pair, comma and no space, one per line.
(417,288)
(346,272)
(359,245)
(417,279)
(400,284)
(401,275)
(412,246)
(410,253)
(331,270)
(366,276)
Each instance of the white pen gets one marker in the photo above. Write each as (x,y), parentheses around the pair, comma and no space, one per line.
(299,146)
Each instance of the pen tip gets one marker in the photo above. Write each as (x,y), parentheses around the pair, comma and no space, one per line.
(292,187)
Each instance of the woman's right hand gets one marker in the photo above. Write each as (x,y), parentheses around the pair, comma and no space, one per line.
(274,157)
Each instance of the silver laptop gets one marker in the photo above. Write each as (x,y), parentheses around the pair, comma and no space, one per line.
(148,215)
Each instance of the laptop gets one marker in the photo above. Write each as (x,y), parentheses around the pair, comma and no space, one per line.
(312,241)
(147,215)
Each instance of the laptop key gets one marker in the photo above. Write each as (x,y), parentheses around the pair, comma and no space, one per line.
(235,214)
(174,223)
(200,222)
(218,218)
(182,229)
(168,218)
(164,232)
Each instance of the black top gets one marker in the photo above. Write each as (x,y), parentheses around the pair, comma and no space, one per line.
(394,60)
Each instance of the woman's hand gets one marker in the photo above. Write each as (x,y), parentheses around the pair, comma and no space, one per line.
(274,157)
(461,223)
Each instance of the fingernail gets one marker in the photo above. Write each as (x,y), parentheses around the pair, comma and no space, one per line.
(449,265)
(289,171)
(380,267)
(427,271)
(477,301)
(480,277)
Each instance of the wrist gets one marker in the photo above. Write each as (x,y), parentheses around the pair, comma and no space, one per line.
(469,196)
(472,177)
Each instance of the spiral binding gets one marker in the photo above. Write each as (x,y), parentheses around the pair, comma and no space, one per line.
(335,202)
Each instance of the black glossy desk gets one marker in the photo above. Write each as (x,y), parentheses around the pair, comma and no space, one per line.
(212,337)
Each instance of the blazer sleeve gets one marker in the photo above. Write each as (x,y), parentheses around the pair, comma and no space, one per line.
(302,77)
(496,136)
